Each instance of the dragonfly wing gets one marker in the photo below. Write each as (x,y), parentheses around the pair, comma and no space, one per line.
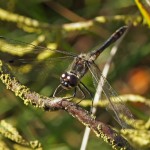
(18,53)
(116,106)
(32,65)
(18,47)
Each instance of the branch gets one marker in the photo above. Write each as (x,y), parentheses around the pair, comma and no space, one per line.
(49,104)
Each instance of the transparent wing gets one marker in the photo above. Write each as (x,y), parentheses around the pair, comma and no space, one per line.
(116,106)
(19,47)
(34,66)
(17,52)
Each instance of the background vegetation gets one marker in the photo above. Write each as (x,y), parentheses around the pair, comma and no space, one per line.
(73,26)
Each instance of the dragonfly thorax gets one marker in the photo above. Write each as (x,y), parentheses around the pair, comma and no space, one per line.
(69,80)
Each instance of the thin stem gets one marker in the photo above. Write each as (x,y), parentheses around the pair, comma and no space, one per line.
(98,93)
(148,2)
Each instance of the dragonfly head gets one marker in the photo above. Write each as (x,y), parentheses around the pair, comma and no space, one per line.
(68,80)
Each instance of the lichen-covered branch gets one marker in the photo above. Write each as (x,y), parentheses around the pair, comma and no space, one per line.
(48,104)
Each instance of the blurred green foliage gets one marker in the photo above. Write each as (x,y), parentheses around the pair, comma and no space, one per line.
(73,26)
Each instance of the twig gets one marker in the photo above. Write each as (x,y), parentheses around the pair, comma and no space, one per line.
(33,25)
(148,2)
(49,104)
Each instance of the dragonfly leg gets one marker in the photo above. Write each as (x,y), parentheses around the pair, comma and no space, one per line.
(88,91)
(57,90)
(74,94)
(60,89)
(82,92)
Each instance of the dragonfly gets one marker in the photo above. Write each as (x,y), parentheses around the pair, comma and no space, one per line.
(81,64)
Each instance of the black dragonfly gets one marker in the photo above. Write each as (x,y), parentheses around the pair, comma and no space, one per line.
(71,79)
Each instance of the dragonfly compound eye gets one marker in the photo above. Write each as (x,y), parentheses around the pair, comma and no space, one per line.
(68,80)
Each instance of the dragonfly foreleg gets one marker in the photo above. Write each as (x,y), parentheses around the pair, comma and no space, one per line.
(57,90)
